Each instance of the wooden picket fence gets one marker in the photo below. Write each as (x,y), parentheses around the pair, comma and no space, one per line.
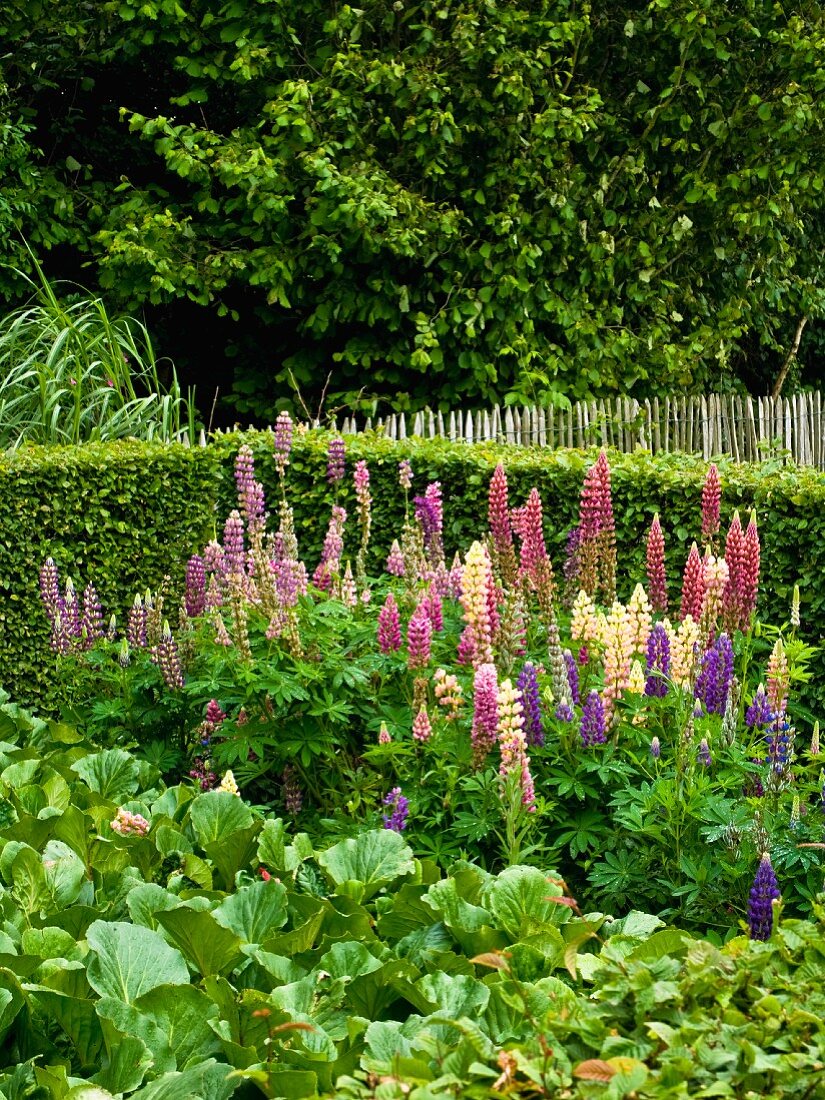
(748,429)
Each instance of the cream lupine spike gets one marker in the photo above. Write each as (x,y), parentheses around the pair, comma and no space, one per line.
(229,785)
(512,741)
(475,582)
(641,620)
(618,652)
(636,680)
(584,625)
(715,573)
(684,645)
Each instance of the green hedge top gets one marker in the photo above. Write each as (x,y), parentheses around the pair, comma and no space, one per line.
(127,514)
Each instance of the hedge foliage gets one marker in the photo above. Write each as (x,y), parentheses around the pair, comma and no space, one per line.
(127,514)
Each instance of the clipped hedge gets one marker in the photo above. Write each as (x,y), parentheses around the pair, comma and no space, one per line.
(126,514)
(121,514)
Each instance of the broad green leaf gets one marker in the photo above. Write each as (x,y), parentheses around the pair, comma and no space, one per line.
(132,1021)
(77,1017)
(65,874)
(209,947)
(348,959)
(112,773)
(210,1080)
(216,815)
(183,1013)
(369,861)
(11,1001)
(147,900)
(128,960)
(519,900)
(254,912)
(454,995)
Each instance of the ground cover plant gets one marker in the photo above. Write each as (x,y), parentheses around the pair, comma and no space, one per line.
(162,942)
(492,709)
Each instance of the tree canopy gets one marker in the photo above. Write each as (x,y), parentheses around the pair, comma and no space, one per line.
(445,199)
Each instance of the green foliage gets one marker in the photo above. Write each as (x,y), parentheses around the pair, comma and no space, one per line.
(443,199)
(132,966)
(73,374)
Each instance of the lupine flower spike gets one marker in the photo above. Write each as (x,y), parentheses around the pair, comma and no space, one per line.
(764,892)
(656,578)
(711,497)
(389,626)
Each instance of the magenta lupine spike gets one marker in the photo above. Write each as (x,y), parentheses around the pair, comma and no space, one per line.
(656,578)
(734,555)
(283,441)
(465,653)
(597,532)
(422,729)
(441,581)
(693,586)
(361,479)
(336,464)
(432,494)
(195,592)
(533,550)
(389,626)
(432,602)
(419,638)
(711,499)
(91,623)
(498,514)
(169,659)
(330,563)
(233,545)
(456,574)
(215,714)
(749,574)
(485,712)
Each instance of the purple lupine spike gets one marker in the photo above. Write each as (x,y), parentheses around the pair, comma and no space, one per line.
(425,513)
(528,686)
(703,753)
(283,441)
(169,659)
(50,589)
(759,714)
(715,675)
(233,545)
(336,461)
(71,611)
(136,624)
(658,662)
(779,739)
(195,595)
(399,808)
(91,623)
(572,676)
(655,748)
(570,567)
(564,712)
(592,724)
(764,892)
(244,472)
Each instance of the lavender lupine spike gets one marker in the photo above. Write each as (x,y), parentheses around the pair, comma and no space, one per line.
(71,611)
(50,589)
(764,892)
(658,662)
(233,545)
(528,686)
(336,463)
(398,807)
(283,441)
(485,712)
(405,474)
(91,623)
(169,659)
(572,676)
(195,593)
(655,748)
(592,724)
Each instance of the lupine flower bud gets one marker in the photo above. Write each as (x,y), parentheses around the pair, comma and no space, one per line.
(422,729)
(485,712)
(384,735)
(656,578)
(195,595)
(465,652)
(229,785)
(592,727)
(291,790)
(389,626)
(693,586)
(703,753)
(759,714)
(764,892)
(815,739)
(349,593)
(655,748)
(636,679)
(336,461)
(123,656)
(399,808)
(215,714)
(448,693)
(419,638)
(711,498)
(778,678)
(795,620)
(283,441)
